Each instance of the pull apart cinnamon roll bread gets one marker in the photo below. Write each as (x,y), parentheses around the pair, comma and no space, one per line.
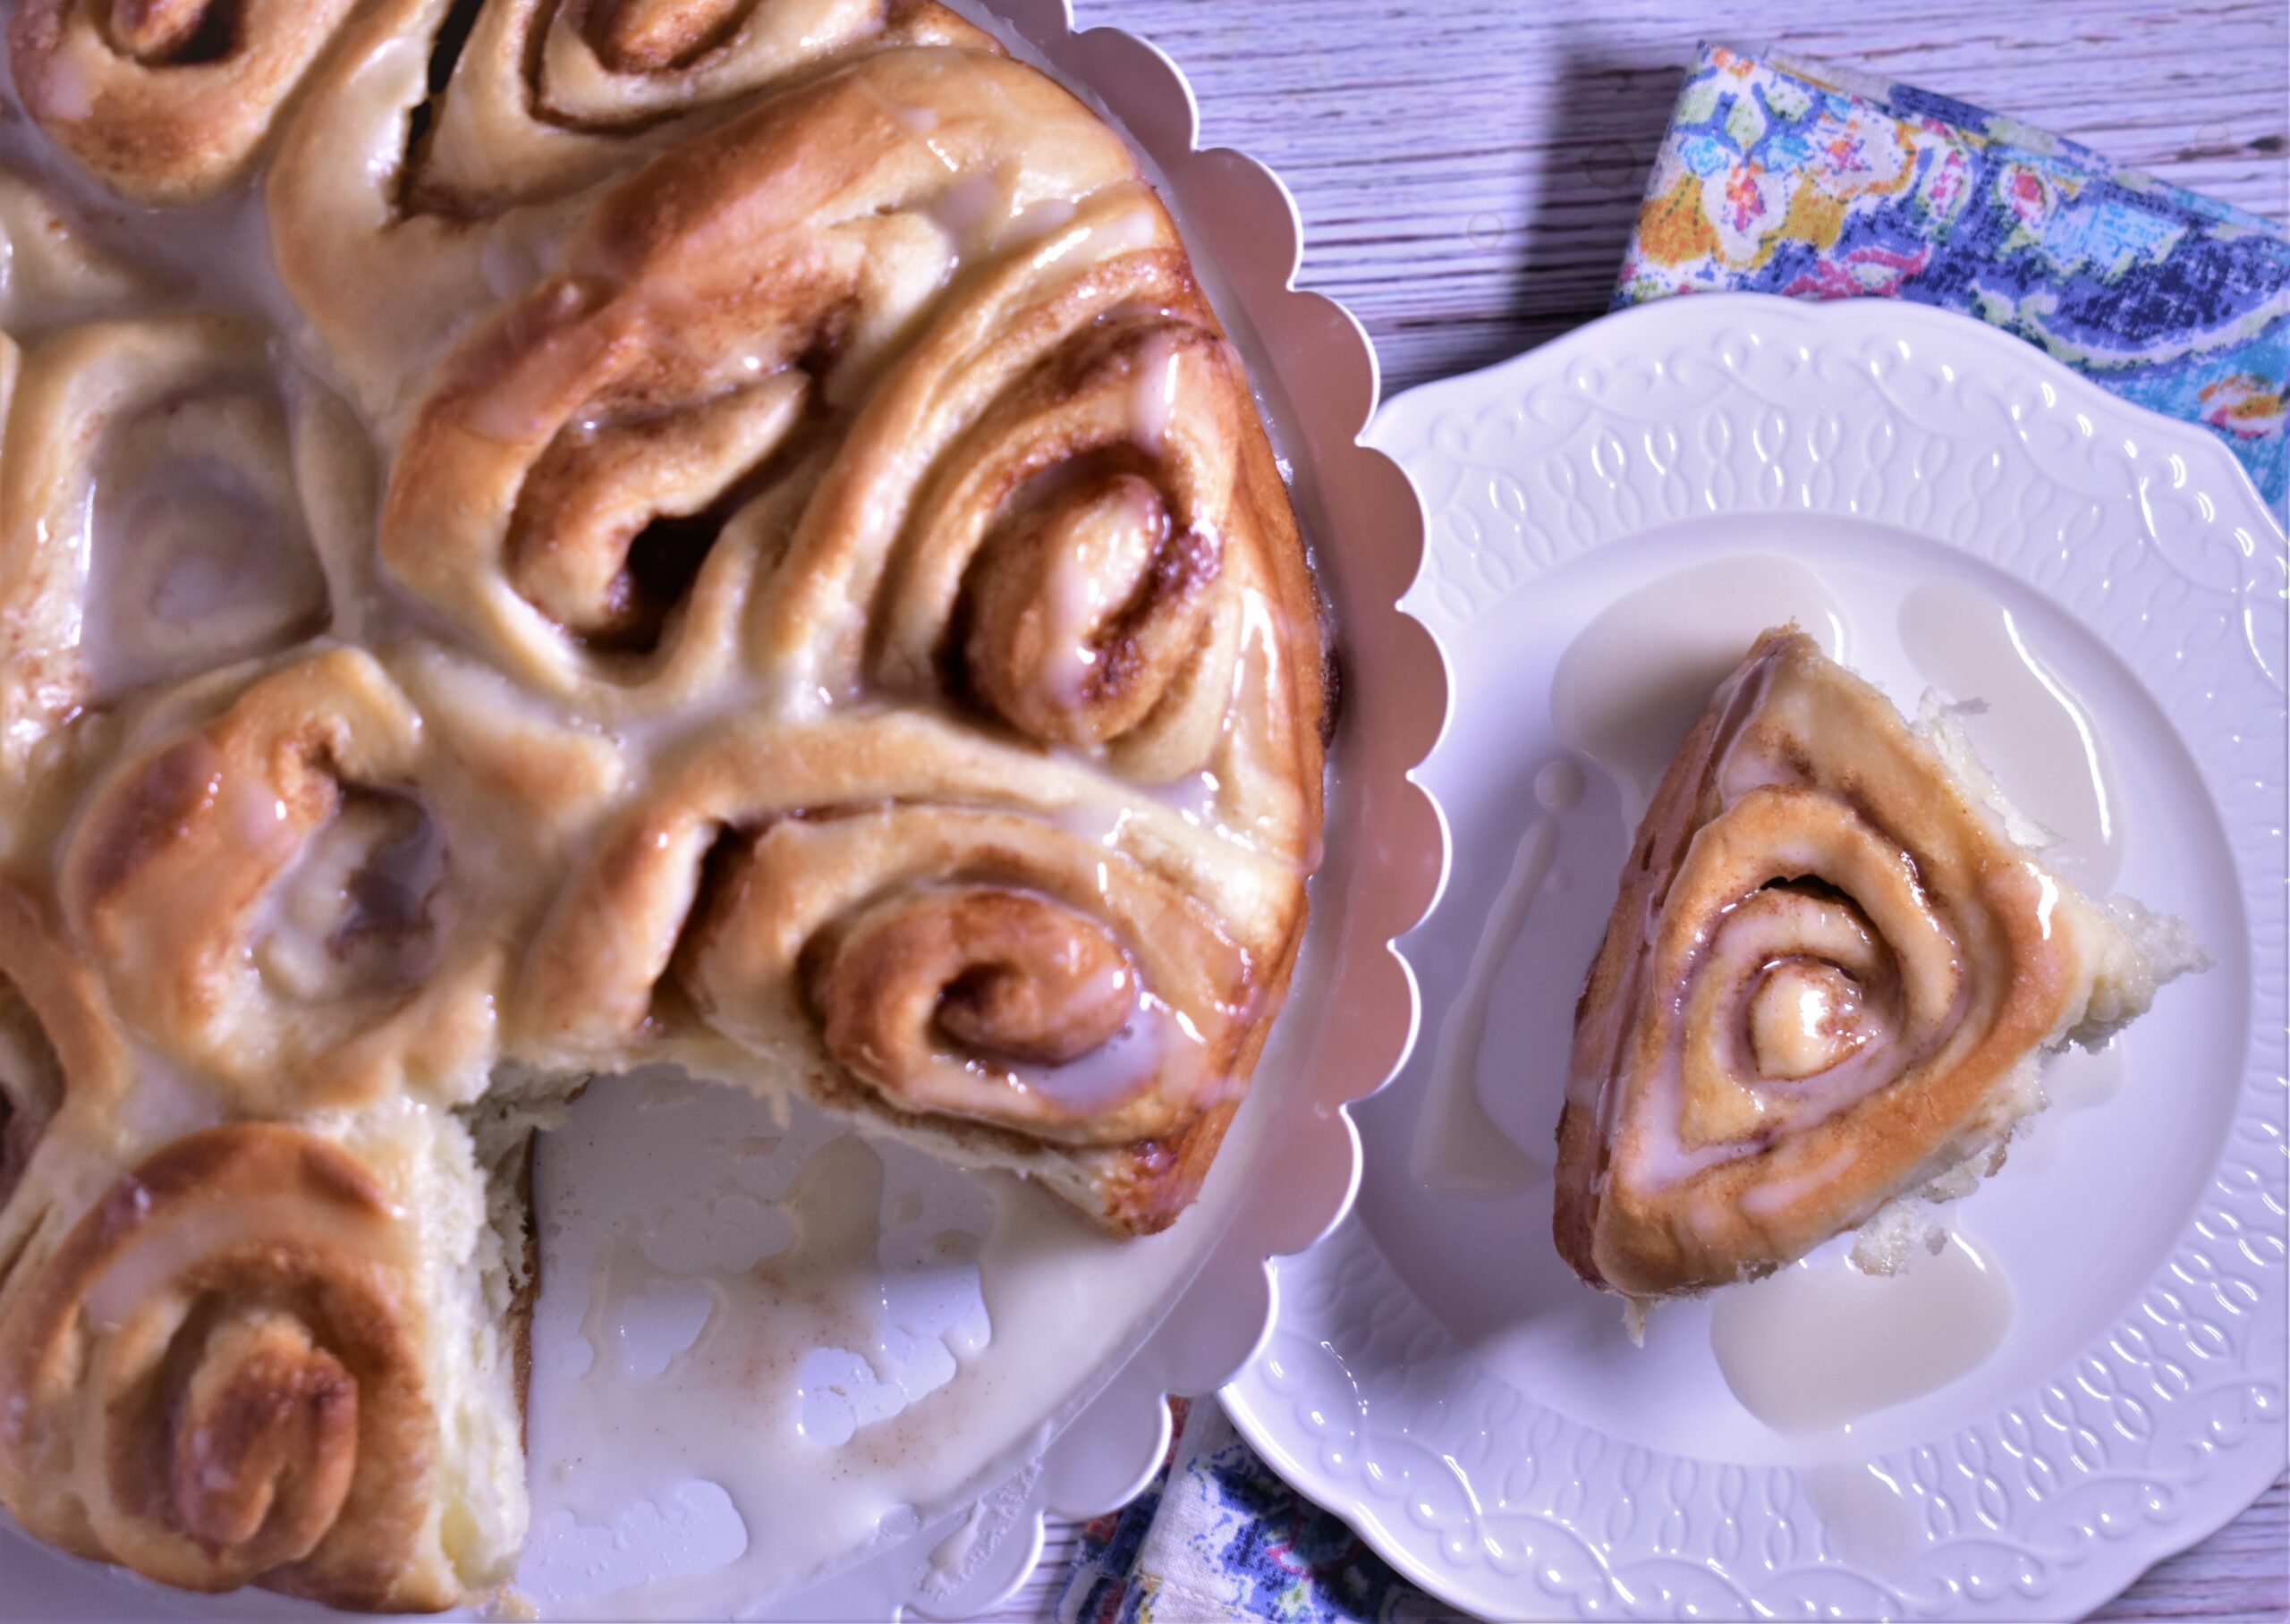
(1827,990)
(734,537)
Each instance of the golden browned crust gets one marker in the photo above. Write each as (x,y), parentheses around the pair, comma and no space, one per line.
(413,183)
(840,623)
(216,1379)
(59,1048)
(166,101)
(1804,844)
(173,877)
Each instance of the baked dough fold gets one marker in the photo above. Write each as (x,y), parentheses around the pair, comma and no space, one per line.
(166,101)
(980,948)
(1825,986)
(225,1373)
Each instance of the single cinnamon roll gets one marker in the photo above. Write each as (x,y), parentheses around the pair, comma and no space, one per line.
(230,1372)
(443,154)
(1058,512)
(275,899)
(1826,986)
(165,101)
(590,478)
(169,504)
(979,946)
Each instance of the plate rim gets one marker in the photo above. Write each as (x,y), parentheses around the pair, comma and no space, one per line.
(1401,429)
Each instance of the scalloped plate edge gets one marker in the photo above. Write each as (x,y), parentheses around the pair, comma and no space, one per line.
(1402,428)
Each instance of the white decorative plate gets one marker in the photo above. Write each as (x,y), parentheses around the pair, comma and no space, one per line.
(1437,1376)
(696,1181)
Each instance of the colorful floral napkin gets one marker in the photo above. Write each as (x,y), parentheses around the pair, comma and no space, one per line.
(1218,1537)
(1781,177)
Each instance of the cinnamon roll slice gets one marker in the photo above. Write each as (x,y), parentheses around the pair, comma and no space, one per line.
(1827,987)
(166,101)
(264,1356)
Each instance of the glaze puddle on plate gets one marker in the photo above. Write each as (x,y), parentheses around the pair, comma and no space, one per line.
(2028,728)
(1632,682)
(1821,1345)
(1458,1149)
(764,1344)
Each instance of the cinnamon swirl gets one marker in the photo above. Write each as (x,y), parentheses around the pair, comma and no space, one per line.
(795,584)
(170,502)
(265,1356)
(1825,987)
(448,145)
(166,101)
(309,899)
(979,947)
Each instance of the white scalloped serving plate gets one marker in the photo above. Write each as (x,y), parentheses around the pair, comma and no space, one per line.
(1290,1167)
(1439,1378)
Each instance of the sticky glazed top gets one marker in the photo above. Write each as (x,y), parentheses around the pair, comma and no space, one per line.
(538,535)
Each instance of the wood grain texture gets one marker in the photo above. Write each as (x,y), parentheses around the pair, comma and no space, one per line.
(1468,170)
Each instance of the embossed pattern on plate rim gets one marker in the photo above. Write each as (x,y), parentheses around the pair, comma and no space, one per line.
(2173,1420)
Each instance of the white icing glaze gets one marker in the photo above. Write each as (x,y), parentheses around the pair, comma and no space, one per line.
(966,206)
(191,567)
(845,1337)
(2030,731)
(167,1102)
(1558,785)
(1075,602)
(1773,1194)
(1631,683)
(1819,1345)
(1153,395)
(1151,1045)
(1457,1148)
(355,911)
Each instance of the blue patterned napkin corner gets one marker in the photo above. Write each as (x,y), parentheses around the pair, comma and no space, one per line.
(1218,1539)
(1779,176)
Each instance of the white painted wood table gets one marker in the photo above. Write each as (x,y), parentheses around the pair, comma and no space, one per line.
(1468,170)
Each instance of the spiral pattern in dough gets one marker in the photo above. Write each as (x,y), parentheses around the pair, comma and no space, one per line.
(593,474)
(218,1377)
(418,183)
(272,902)
(168,504)
(166,101)
(969,938)
(1825,977)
